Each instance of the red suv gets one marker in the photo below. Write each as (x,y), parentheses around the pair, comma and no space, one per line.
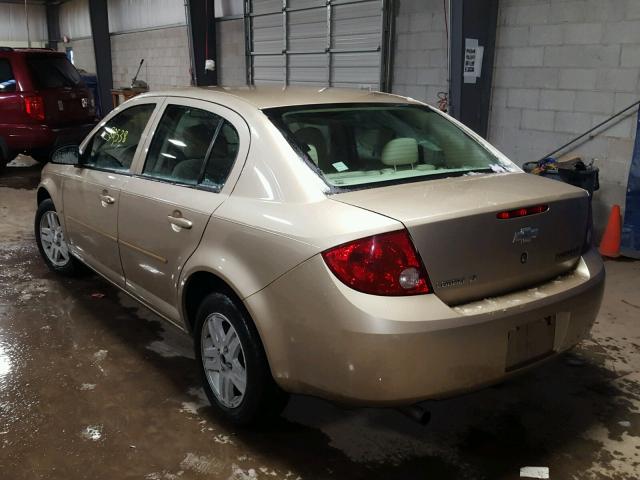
(43,103)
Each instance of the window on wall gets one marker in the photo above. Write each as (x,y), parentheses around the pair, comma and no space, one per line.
(7,82)
(115,144)
(192,146)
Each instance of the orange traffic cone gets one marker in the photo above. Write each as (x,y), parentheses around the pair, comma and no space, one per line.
(610,244)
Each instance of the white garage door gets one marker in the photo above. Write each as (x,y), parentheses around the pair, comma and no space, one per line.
(317,42)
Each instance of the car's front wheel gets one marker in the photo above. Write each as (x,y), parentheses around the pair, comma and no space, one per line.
(52,242)
(234,368)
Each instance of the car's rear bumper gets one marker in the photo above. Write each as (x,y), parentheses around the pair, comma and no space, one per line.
(44,137)
(325,339)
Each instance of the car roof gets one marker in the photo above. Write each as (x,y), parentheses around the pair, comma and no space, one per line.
(22,51)
(269,96)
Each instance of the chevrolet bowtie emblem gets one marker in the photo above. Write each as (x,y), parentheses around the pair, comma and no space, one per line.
(525,235)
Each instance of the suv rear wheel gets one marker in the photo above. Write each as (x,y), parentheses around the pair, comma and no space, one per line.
(233,366)
(41,156)
(6,156)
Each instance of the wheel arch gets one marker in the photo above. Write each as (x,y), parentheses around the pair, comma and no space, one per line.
(196,287)
(42,195)
(50,187)
(201,283)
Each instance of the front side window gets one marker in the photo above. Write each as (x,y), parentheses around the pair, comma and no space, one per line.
(192,147)
(7,82)
(361,145)
(115,144)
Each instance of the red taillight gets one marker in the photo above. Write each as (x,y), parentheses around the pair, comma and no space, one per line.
(522,212)
(385,264)
(34,106)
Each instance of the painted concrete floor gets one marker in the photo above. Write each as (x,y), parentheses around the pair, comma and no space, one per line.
(100,388)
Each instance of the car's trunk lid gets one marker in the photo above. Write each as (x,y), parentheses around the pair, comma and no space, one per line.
(67,100)
(68,106)
(470,253)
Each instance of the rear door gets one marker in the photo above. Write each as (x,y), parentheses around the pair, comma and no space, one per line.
(67,100)
(10,103)
(165,209)
(11,107)
(91,193)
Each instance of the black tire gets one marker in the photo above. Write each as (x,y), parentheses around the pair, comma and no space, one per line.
(263,400)
(5,158)
(72,267)
(41,156)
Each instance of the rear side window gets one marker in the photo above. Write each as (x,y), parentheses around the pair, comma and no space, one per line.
(114,145)
(7,82)
(223,154)
(52,71)
(192,146)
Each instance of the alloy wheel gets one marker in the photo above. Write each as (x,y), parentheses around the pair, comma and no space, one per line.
(223,360)
(52,239)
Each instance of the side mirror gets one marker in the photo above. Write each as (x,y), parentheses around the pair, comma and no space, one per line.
(68,155)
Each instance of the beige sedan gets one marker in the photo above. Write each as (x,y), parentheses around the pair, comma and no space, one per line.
(356,246)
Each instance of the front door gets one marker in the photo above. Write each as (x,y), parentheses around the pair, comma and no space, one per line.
(165,209)
(91,193)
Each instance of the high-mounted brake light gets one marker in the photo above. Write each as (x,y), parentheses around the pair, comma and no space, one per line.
(384,264)
(522,212)
(34,106)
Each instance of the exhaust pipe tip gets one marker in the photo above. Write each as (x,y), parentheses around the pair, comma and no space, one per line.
(417,414)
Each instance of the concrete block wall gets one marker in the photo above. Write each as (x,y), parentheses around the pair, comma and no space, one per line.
(419,52)
(231,52)
(561,67)
(165,52)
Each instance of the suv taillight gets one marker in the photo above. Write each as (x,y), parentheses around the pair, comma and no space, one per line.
(384,264)
(34,106)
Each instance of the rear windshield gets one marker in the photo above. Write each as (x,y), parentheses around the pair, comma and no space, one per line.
(53,71)
(360,145)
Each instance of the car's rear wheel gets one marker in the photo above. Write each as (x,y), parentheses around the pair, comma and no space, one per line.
(233,366)
(52,242)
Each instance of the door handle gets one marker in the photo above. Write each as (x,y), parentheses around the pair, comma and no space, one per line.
(107,200)
(180,222)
